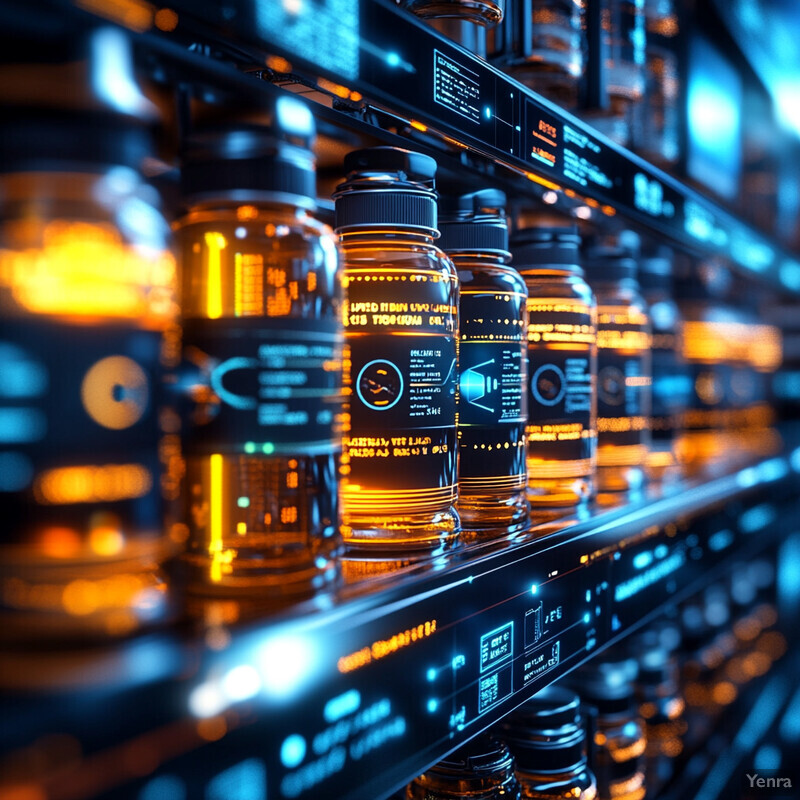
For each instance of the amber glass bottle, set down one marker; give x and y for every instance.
(401, 327)
(261, 305)
(562, 367)
(89, 447)
(624, 369)
(493, 364)
(483, 769)
(547, 736)
(620, 737)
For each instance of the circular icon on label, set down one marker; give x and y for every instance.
(611, 386)
(379, 384)
(114, 392)
(549, 385)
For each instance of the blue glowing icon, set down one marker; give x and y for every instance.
(379, 385)
(476, 385)
(549, 385)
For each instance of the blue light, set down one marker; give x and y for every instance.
(790, 724)
(21, 425)
(432, 705)
(534, 588)
(341, 706)
(757, 518)
(586, 617)
(642, 560)
(245, 781)
(165, 787)
(790, 274)
(720, 540)
(431, 675)
(293, 751)
(16, 472)
(588, 595)
(789, 576)
(661, 550)
(768, 756)
(294, 116)
(20, 376)
(393, 59)
(487, 112)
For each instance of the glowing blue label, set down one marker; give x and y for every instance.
(494, 688)
(497, 646)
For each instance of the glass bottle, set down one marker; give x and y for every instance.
(655, 119)
(262, 327)
(89, 446)
(562, 367)
(547, 736)
(548, 54)
(620, 737)
(492, 401)
(401, 325)
(671, 382)
(624, 369)
(624, 38)
(463, 21)
(483, 769)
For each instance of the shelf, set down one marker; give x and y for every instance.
(399, 69)
(352, 699)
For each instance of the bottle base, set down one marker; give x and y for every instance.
(621, 479)
(426, 532)
(484, 517)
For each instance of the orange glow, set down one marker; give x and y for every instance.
(216, 243)
(419, 126)
(92, 484)
(106, 538)
(86, 271)
(542, 182)
(212, 729)
(59, 542)
(245, 213)
(115, 392)
(384, 647)
(135, 15)
(724, 693)
(334, 88)
(166, 20)
(717, 342)
(279, 64)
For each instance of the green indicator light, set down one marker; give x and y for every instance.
(243, 502)
(249, 447)
(267, 448)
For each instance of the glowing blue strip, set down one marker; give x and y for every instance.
(640, 582)
(342, 705)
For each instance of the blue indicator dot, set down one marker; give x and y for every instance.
(431, 674)
(488, 112)
(534, 588)
(588, 595)
(586, 617)
(293, 751)
(432, 705)
(243, 502)
(393, 60)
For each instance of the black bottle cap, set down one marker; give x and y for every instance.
(483, 755)
(546, 733)
(387, 186)
(547, 246)
(607, 685)
(609, 263)
(240, 154)
(474, 223)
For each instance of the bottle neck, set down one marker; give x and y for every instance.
(391, 235)
(488, 260)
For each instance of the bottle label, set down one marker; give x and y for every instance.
(402, 381)
(624, 377)
(275, 385)
(561, 335)
(79, 426)
(492, 401)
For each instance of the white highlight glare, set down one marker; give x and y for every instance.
(583, 212)
(534, 588)
(241, 683)
(294, 116)
(285, 663)
(112, 76)
(207, 700)
(550, 197)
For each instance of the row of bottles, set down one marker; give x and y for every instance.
(427, 387)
